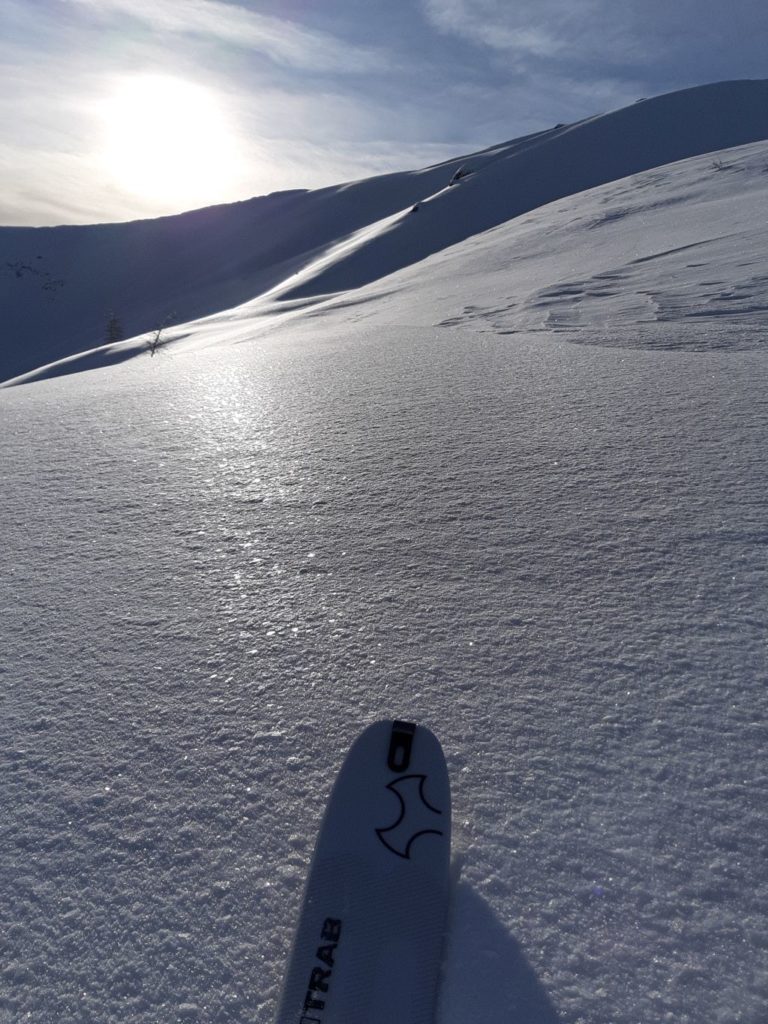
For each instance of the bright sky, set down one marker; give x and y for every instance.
(117, 109)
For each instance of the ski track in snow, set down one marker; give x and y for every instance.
(516, 492)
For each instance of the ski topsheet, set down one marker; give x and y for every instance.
(370, 935)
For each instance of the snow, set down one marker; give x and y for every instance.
(515, 491)
(59, 287)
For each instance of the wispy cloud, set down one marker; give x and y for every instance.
(49, 186)
(338, 89)
(496, 25)
(695, 40)
(283, 41)
(52, 139)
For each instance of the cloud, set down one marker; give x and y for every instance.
(494, 25)
(52, 138)
(43, 186)
(283, 41)
(309, 105)
(686, 41)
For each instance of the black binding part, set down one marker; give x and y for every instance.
(400, 744)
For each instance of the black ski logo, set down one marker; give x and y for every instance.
(320, 978)
(417, 816)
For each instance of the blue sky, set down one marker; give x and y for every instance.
(115, 109)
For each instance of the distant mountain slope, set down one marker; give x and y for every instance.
(674, 258)
(647, 134)
(58, 286)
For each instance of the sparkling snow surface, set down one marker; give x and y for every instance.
(517, 492)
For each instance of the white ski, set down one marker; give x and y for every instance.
(370, 935)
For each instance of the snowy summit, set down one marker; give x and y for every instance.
(480, 446)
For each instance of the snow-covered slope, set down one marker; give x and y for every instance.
(59, 286)
(517, 491)
(675, 258)
(684, 245)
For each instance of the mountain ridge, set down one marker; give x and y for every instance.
(60, 285)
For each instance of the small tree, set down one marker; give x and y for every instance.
(153, 343)
(114, 329)
(155, 340)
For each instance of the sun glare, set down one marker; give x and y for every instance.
(169, 142)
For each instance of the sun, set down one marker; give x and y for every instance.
(169, 142)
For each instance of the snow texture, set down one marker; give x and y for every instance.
(516, 491)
